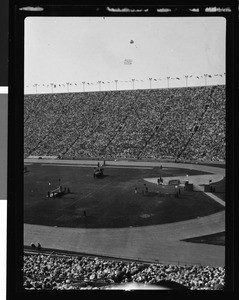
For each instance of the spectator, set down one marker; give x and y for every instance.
(75, 272)
(115, 125)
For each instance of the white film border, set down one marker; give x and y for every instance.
(3, 190)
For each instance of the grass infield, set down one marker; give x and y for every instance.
(110, 201)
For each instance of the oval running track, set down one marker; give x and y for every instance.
(155, 244)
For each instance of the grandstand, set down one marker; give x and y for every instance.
(61, 271)
(177, 123)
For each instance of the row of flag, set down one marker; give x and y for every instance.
(125, 81)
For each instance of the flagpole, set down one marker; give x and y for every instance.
(186, 76)
(52, 88)
(36, 86)
(133, 83)
(116, 81)
(67, 86)
(83, 85)
(150, 81)
(205, 75)
(168, 80)
(99, 85)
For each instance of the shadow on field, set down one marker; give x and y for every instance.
(212, 239)
(102, 177)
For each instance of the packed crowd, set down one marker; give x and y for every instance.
(53, 272)
(178, 123)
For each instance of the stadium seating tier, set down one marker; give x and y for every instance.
(178, 123)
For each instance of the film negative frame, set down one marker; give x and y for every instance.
(19, 10)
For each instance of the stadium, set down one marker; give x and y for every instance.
(157, 210)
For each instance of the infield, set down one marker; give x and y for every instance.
(110, 202)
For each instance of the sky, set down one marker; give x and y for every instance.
(63, 52)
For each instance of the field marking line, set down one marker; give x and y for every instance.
(91, 166)
(214, 197)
